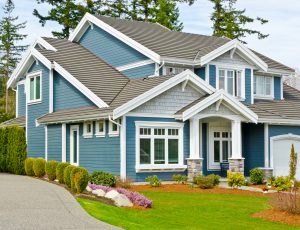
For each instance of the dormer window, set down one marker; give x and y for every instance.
(231, 81)
(263, 86)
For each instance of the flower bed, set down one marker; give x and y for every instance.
(102, 187)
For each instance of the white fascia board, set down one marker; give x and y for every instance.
(168, 84)
(109, 29)
(41, 58)
(82, 88)
(135, 65)
(270, 121)
(43, 43)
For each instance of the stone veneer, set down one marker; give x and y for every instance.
(237, 165)
(194, 168)
(268, 172)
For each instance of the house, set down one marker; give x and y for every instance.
(136, 99)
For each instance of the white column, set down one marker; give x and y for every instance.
(236, 140)
(194, 139)
(123, 149)
(64, 143)
(46, 142)
(266, 149)
(51, 91)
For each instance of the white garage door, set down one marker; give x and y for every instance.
(281, 154)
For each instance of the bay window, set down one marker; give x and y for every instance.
(231, 81)
(263, 86)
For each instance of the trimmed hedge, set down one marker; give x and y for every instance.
(103, 178)
(67, 175)
(60, 171)
(50, 169)
(80, 179)
(39, 167)
(29, 166)
(3, 143)
(72, 175)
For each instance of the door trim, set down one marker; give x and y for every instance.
(74, 128)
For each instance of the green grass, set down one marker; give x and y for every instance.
(172, 210)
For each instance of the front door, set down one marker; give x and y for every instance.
(74, 144)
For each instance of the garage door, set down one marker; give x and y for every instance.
(281, 154)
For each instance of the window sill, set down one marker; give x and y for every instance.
(161, 168)
(34, 102)
(100, 135)
(264, 97)
(113, 134)
(87, 135)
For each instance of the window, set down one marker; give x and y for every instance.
(35, 90)
(88, 129)
(159, 146)
(114, 128)
(231, 81)
(173, 70)
(100, 128)
(263, 86)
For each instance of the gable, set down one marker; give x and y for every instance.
(234, 60)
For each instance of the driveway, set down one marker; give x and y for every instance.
(28, 203)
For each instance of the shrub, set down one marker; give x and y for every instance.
(50, 169)
(80, 179)
(287, 201)
(29, 166)
(215, 178)
(39, 167)
(153, 181)
(282, 183)
(293, 163)
(204, 182)
(180, 179)
(67, 175)
(124, 183)
(256, 176)
(136, 198)
(235, 179)
(60, 171)
(3, 149)
(103, 178)
(72, 175)
(297, 184)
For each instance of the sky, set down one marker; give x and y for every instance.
(283, 44)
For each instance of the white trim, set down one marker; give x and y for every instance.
(82, 88)
(194, 139)
(133, 114)
(279, 121)
(200, 139)
(262, 96)
(100, 134)
(123, 149)
(281, 88)
(64, 142)
(44, 43)
(51, 90)
(207, 73)
(135, 65)
(83, 25)
(266, 147)
(17, 101)
(46, 142)
(252, 86)
(85, 133)
(112, 133)
(236, 132)
(168, 84)
(22, 82)
(161, 168)
(74, 128)
(28, 77)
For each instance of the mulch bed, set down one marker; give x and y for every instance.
(279, 216)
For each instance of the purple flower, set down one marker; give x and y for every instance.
(136, 198)
(96, 186)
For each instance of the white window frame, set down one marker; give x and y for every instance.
(100, 134)
(160, 167)
(72, 128)
(112, 133)
(263, 96)
(28, 77)
(87, 134)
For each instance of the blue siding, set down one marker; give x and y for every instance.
(200, 72)
(277, 88)
(212, 75)
(54, 142)
(66, 96)
(130, 148)
(142, 71)
(253, 146)
(109, 48)
(248, 86)
(21, 100)
(36, 135)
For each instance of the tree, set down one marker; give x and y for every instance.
(231, 23)
(10, 48)
(293, 163)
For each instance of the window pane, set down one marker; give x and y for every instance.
(221, 79)
(114, 127)
(101, 126)
(225, 150)
(38, 88)
(145, 151)
(31, 89)
(159, 151)
(239, 83)
(88, 128)
(216, 151)
(173, 151)
(268, 81)
(75, 146)
(230, 82)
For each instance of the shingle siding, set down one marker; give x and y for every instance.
(277, 88)
(142, 71)
(109, 48)
(248, 86)
(21, 100)
(54, 142)
(212, 75)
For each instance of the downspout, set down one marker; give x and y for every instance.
(111, 120)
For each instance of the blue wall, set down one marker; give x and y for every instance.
(131, 151)
(142, 71)
(21, 100)
(200, 72)
(66, 96)
(54, 142)
(109, 48)
(277, 88)
(248, 86)
(36, 135)
(212, 75)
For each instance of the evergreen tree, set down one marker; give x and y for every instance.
(10, 49)
(230, 22)
(293, 163)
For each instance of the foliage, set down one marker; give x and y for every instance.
(3, 149)
(288, 202)
(256, 176)
(50, 169)
(124, 183)
(29, 166)
(293, 163)
(80, 179)
(297, 184)
(180, 179)
(235, 179)
(136, 198)
(215, 178)
(102, 187)
(67, 175)
(282, 183)
(154, 181)
(5, 117)
(60, 171)
(103, 178)
(204, 182)
(39, 167)
(231, 23)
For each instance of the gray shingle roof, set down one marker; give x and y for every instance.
(19, 121)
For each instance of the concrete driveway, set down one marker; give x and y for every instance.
(28, 203)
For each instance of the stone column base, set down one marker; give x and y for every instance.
(194, 168)
(237, 165)
(268, 172)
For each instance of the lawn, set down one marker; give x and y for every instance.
(177, 210)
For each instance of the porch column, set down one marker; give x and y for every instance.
(194, 162)
(236, 162)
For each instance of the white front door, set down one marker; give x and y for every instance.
(74, 144)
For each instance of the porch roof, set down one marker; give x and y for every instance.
(19, 121)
